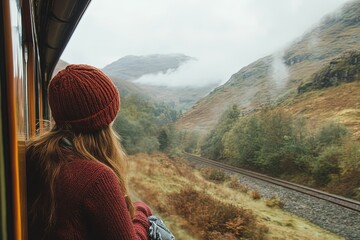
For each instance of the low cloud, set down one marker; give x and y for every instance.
(196, 73)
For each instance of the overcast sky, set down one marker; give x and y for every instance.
(224, 35)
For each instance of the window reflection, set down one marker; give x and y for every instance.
(19, 70)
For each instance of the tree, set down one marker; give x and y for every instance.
(325, 164)
(163, 140)
(213, 146)
(242, 142)
(140, 124)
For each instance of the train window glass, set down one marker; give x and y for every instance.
(18, 68)
(17, 88)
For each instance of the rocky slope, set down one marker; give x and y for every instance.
(342, 69)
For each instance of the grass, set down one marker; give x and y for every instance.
(341, 104)
(158, 180)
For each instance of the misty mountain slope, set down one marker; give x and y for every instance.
(130, 68)
(133, 67)
(275, 78)
(128, 88)
(181, 98)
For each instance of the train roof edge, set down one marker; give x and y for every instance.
(55, 22)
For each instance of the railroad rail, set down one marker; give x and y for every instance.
(335, 199)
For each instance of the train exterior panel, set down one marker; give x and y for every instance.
(34, 34)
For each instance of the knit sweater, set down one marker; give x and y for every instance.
(90, 205)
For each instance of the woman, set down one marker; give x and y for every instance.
(76, 171)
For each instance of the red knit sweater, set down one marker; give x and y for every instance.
(90, 205)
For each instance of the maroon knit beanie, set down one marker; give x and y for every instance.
(83, 97)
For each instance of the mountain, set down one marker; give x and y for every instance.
(133, 67)
(128, 88)
(282, 78)
(129, 68)
(181, 98)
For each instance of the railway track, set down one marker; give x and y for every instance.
(335, 199)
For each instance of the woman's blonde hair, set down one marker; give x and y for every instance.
(46, 156)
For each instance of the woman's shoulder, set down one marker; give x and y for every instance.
(85, 167)
(81, 172)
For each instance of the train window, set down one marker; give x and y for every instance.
(14, 120)
(19, 74)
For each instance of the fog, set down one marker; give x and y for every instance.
(279, 71)
(196, 73)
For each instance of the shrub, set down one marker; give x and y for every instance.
(274, 201)
(331, 133)
(348, 185)
(326, 163)
(214, 219)
(255, 195)
(213, 174)
(351, 156)
(163, 139)
(175, 152)
(234, 183)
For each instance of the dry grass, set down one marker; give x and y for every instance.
(157, 180)
(341, 104)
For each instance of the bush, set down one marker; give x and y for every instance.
(213, 174)
(234, 183)
(255, 195)
(271, 141)
(214, 219)
(325, 164)
(175, 153)
(351, 156)
(274, 202)
(331, 133)
(348, 185)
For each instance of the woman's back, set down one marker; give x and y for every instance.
(77, 171)
(90, 205)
